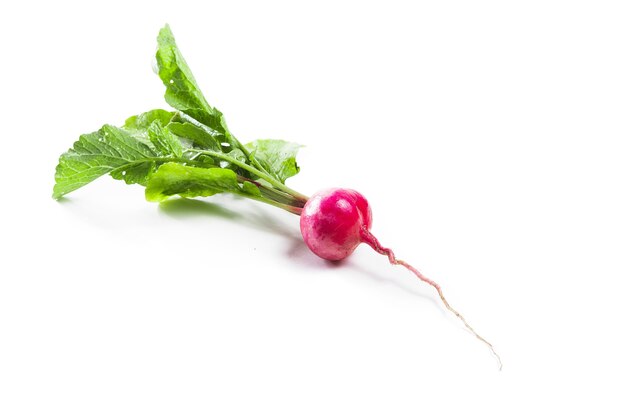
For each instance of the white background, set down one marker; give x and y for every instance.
(488, 137)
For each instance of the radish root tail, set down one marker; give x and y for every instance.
(371, 240)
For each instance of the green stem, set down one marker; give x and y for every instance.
(287, 207)
(250, 157)
(232, 140)
(257, 169)
(273, 194)
(275, 183)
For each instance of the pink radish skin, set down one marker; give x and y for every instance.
(331, 222)
(335, 221)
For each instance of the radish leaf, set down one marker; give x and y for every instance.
(113, 150)
(164, 141)
(188, 152)
(138, 125)
(185, 181)
(182, 91)
(278, 157)
(202, 138)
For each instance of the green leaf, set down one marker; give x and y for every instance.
(201, 137)
(278, 157)
(185, 181)
(251, 189)
(203, 161)
(139, 124)
(178, 152)
(182, 91)
(238, 155)
(164, 141)
(99, 153)
(136, 173)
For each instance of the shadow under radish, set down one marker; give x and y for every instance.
(257, 218)
(187, 207)
(251, 216)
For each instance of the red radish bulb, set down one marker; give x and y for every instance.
(332, 220)
(335, 221)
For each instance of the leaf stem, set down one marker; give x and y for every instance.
(287, 207)
(273, 194)
(275, 183)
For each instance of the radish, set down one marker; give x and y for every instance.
(336, 220)
(333, 221)
(190, 152)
